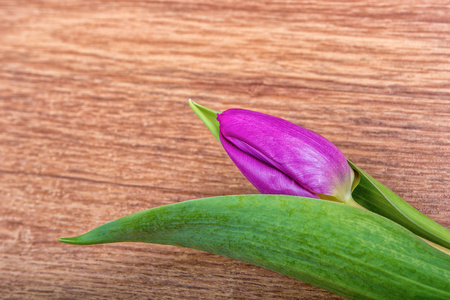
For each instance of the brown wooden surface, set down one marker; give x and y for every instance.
(95, 124)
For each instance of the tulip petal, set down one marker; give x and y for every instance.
(305, 156)
(265, 178)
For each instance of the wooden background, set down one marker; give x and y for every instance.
(95, 124)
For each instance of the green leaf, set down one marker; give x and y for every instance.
(346, 250)
(377, 198)
(372, 195)
(208, 117)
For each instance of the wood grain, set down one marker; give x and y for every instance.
(95, 124)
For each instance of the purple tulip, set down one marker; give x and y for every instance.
(279, 157)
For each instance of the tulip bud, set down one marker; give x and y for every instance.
(279, 157)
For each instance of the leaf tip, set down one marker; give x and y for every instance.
(71, 240)
(78, 240)
(208, 117)
(192, 104)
